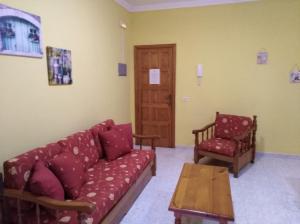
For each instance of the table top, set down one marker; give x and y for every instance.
(203, 191)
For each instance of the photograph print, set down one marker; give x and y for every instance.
(20, 33)
(59, 66)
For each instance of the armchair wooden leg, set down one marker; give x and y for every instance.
(253, 156)
(236, 166)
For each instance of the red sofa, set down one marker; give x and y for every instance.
(110, 186)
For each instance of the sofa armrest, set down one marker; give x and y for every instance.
(151, 137)
(79, 206)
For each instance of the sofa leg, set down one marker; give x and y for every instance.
(196, 156)
(153, 168)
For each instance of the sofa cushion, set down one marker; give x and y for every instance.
(82, 145)
(115, 144)
(44, 183)
(97, 130)
(107, 182)
(125, 129)
(70, 172)
(109, 123)
(17, 170)
(219, 145)
(228, 126)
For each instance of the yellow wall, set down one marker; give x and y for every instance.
(33, 113)
(225, 39)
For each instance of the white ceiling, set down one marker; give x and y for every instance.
(147, 5)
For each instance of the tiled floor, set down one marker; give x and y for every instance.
(267, 192)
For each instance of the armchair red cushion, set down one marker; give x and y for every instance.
(115, 144)
(221, 146)
(44, 183)
(228, 126)
(70, 171)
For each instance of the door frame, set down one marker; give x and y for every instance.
(138, 98)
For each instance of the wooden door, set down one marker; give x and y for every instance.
(155, 103)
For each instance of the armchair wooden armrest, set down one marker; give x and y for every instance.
(79, 206)
(203, 129)
(151, 137)
(208, 129)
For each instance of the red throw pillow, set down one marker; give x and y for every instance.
(125, 129)
(115, 144)
(70, 171)
(96, 130)
(44, 183)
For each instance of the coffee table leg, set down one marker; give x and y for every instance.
(177, 219)
(223, 221)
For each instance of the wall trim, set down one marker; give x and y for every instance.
(125, 5)
(260, 153)
(175, 5)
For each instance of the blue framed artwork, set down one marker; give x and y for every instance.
(59, 66)
(20, 33)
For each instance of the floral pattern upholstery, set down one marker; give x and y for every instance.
(228, 126)
(106, 183)
(70, 172)
(115, 144)
(17, 170)
(83, 146)
(219, 145)
(97, 130)
(125, 129)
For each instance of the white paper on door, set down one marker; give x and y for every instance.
(154, 76)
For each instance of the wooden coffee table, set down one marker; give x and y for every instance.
(203, 192)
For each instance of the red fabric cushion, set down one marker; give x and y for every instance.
(228, 126)
(17, 170)
(115, 144)
(70, 172)
(83, 146)
(126, 130)
(96, 131)
(44, 183)
(218, 145)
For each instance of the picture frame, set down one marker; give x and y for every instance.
(59, 66)
(20, 33)
(295, 76)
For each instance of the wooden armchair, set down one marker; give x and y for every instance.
(230, 138)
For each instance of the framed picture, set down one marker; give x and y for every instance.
(20, 33)
(59, 66)
(262, 57)
(295, 76)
